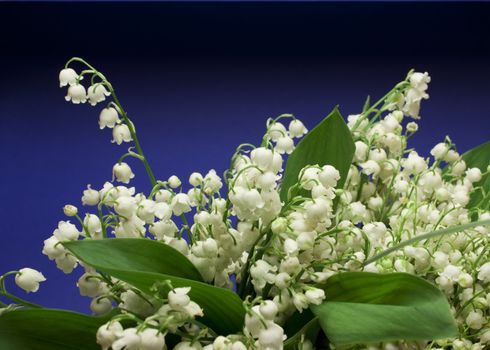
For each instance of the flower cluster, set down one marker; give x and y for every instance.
(275, 251)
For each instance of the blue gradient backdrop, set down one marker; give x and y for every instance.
(200, 78)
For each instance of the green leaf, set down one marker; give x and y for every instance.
(330, 142)
(363, 307)
(223, 309)
(48, 329)
(479, 157)
(308, 329)
(134, 254)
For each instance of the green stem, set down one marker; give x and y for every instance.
(135, 138)
(124, 115)
(429, 235)
(19, 300)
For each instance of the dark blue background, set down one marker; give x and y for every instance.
(201, 78)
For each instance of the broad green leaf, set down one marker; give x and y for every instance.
(134, 254)
(363, 307)
(309, 329)
(223, 309)
(330, 142)
(479, 157)
(48, 329)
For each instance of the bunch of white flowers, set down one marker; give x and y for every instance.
(242, 234)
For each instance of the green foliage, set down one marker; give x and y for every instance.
(362, 307)
(330, 142)
(223, 309)
(48, 329)
(301, 326)
(479, 157)
(134, 254)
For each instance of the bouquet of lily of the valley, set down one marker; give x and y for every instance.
(346, 240)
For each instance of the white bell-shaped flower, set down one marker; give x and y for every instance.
(125, 206)
(329, 176)
(68, 76)
(178, 298)
(484, 272)
(108, 117)
(315, 295)
(52, 248)
(28, 279)
(93, 225)
(297, 128)
(66, 231)
(268, 310)
(195, 179)
(180, 204)
(97, 93)
(66, 263)
(284, 145)
(122, 172)
(129, 339)
(121, 134)
(89, 285)
(276, 131)
(108, 333)
(90, 196)
(187, 345)
(76, 94)
(262, 157)
(152, 339)
(272, 337)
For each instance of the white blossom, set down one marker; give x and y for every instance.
(108, 118)
(28, 279)
(97, 93)
(76, 94)
(120, 134)
(122, 172)
(68, 76)
(90, 196)
(296, 128)
(108, 333)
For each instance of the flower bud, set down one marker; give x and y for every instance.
(174, 181)
(412, 127)
(279, 225)
(70, 210)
